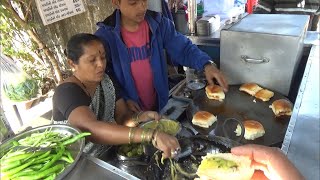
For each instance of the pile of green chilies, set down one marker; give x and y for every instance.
(39, 156)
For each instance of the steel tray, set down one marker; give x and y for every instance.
(75, 148)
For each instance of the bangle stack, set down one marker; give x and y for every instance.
(132, 131)
(146, 135)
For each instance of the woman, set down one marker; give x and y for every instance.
(89, 100)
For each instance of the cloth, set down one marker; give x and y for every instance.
(69, 96)
(138, 45)
(163, 36)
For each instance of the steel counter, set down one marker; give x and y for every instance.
(302, 140)
(93, 168)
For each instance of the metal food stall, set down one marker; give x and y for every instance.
(299, 138)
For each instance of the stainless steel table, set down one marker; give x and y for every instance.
(302, 140)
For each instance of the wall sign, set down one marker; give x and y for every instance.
(55, 10)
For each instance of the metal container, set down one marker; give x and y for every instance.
(207, 25)
(263, 48)
(75, 148)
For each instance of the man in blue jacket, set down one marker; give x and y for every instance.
(135, 38)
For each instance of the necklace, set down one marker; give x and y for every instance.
(84, 86)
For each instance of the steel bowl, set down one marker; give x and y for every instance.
(75, 148)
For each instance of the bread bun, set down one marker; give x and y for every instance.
(250, 88)
(215, 92)
(253, 130)
(222, 166)
(264, 94)
(282, 107)
(203, 119)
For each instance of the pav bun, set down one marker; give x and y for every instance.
(282, 107)
(250, 88)
(215, 92)
(264, 94)
(222, 166)
(203, 119)
(253, 130)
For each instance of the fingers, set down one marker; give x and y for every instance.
(258, 153)
(259, 175)
(169, 145)
(213, 72)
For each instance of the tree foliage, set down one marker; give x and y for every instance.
(20, 40)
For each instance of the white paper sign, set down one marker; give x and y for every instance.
(55, 10)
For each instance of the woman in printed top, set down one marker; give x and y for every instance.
(90, 101)
(135, 39)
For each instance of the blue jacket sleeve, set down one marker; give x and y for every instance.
(181, 50)
(109, 69)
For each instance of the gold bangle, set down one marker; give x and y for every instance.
(143, 135)
(151, 132)
(130, 134)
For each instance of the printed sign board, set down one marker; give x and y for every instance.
(55, 10)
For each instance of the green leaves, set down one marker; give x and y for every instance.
(22, 91)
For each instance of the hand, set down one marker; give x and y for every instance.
(148, 115)
(212, 72)
(169, 145)
(133, 106)
(271, 161)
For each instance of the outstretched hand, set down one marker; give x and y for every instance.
(211, 72)
(270, 162)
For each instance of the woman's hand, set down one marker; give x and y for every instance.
(271, 161)
(169, 145)
(148, 115)
(133, 106)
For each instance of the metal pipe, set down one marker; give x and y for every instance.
(192, 16)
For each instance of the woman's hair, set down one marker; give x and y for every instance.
(76, 43)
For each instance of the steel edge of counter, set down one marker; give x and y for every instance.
(301, 143)
(297, 105)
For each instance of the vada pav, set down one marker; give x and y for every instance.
(223, 166)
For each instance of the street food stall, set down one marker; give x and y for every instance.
(289, 132)
(283, 59)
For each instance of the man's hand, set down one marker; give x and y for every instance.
(269, 162)
(133, 106)
(212, 72)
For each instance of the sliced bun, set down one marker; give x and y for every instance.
(282, 107)
(215, 92)
(264, 94)
(250, 88)
(203, 119)
(253, 130)
(239, 167)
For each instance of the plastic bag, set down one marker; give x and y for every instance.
(16, 85)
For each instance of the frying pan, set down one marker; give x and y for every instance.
(241, 106)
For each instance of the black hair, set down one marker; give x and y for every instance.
(75, 45)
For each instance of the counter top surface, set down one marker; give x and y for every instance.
(302, 140)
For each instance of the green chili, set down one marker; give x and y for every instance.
(54, 159)
(43, 173)
(7, 166)
(75, 138)
(17, 169)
